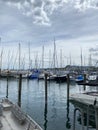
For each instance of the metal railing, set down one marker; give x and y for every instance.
(88, 112)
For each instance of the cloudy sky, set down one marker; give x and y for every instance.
(73, 23)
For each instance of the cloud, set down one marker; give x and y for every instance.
(41, 10)
(85, 4)
(34, 9)
(94, 50)
(59, 17)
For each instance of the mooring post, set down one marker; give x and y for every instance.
(7, 86)
(45, 111)
(19, 90)
(96, 117)
(45, 88)
(82, 119)
(87, 117)
(84, 81)
(68, 82)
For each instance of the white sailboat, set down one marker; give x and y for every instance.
(13, 118)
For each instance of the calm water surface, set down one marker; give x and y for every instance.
(56, 114)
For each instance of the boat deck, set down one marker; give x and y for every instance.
(8, 120)
(10, 123)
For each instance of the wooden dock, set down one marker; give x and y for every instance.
(86, 103)
(86, 98)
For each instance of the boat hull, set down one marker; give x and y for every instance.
(12, 117)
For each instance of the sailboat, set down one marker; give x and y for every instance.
(13, 118)
(80, 78)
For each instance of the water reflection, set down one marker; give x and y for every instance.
(45, 117)
(68, 123)
(7, 87)
(53, 115)
(19, 90)
(46, 103)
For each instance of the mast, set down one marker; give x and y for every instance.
(1, 60)
(0, 57)
(36, 60)
(49, 58)
(8, 59)
(54, 55)
(84, 60)
(11, 58)
(42, 57)
(55, 60)
(70, 58)
(60, 58)
(23, 62)
(29, 57)
(81, 60)
(19, 55)
(90, 60)
(14, 63)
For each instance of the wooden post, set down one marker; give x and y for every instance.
(68, 81)
(96, 117)
(84, 81)
(19, 90)
(45, 111)
(45, 88)
(7, 87)
(87, 117)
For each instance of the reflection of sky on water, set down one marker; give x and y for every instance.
(57, 114)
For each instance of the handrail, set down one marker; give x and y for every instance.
(81, 117)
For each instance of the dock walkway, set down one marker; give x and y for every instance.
(86, 103)
(85, 98)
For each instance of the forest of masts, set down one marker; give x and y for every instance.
(18, 59)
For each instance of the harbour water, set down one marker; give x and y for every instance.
(57, 114)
